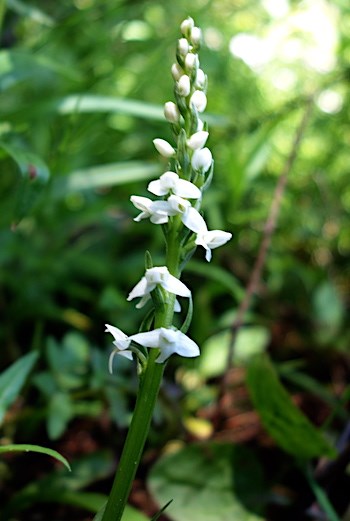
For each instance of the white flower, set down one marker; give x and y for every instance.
(198, 140)
(170, 182)
(171, 112)
(196, 35)
(208, 239)
(202, 159)
(164, 148)
(177, 204)
(176, 71)
(169, 341)
(187, 25)
(121, 342)
(157, 276)
(184, 85)
(191, 61)
(200, 79)
(199, 100)
(156, 211)
(183, 46)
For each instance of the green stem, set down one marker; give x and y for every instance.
(145, 403)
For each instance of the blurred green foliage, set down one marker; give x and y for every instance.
(82, 86)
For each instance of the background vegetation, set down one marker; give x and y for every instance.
(82, 86)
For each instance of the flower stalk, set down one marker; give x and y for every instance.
(179, 191)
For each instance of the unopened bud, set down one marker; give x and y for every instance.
(198, 140)
(202, 159)
(200, 79)
(164, 148)
(171, 112)
(187, 26)
(176, 71)
(191, 61)
(184, 85)
(199, 100)
(196, 36)
(183, 46)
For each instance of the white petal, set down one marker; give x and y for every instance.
(126, 354)
(200, 79)
(143, 301)
(187, 189)
(177, 307)
(174, 285)
(147, 339)
(216, 238)
(163, 147)
(141, 203)
(194, 221)
(178, 205)
(183, 46)
(191, 61)
(117, 333)
(198, 140)
(171, 112)
(176, 71)
(141, 288)
(165, 184)
(187, 25)
(196, 35)
(171, 341)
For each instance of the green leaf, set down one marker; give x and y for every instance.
(209, 482)
(35, 448)
(249, 342)
(329, 311)
(13, 379)
(287, 425)
(106, 175)
(60, 412)
(130, 514)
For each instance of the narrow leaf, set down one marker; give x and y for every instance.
(35, 448)
(287, 425)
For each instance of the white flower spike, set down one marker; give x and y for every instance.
(157, 276)
(170, 182)
(121, 342)
(169, 341)
(164, 148)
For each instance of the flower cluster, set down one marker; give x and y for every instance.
(177, 207)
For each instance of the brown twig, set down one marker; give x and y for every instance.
(269, 228)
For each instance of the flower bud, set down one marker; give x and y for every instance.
(199, 100)
(183, 46)
(176, 71)
(184, 85)
(187, 26)
(196, 36)
(202, 159)
(200, 78)
(171, 112)
(164, 148)
(191, 61)
(198, 140)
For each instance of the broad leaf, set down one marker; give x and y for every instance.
(209, 482)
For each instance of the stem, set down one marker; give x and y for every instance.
(145, 403)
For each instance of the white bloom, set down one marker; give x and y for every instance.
(164, 148)
(187, 25)
(170, 182)
(212, 239)
(121, 342)
(184, 85)
(178, 205)
(198, 140)
(169, 341)
(157, 211)
(191, 61)
(196, 35)
(202, 159)
(199, 100)
(157, 276)
(200, 79)
(208, 239)
(171, 112)
(183, 46)
(176, 71)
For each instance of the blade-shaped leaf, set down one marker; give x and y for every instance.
(35, 448)
(287, 425)
(13, 379)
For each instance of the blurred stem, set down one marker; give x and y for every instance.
(150, 383)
